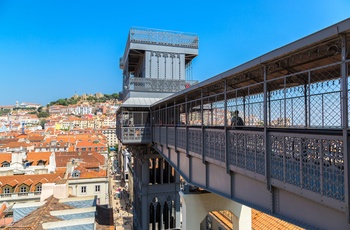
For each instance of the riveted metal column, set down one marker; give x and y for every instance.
(345, 116)
(160, 123)
(186, 126)
(161, 167)
(308, 108)
(225, 128)
(211, 114)
(244, 108)
(175, 131)
(202, 126)
(266, 135)
(166, 122)
(307, 103)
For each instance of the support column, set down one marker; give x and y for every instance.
(177, 201)
(161, 164)
(345, 126)
(195, 208)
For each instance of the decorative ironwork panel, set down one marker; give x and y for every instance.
(195, 140)
(277, 153)
(246, 150)
(171, 136)
(260, 154)
(232, 147)
(214, 143)
(241, 149)
(250, 144)
(163, 135)
(311, 174)
(156, 134)
(136, 134)
(333, 169)
(300, 160)
(292, 153)
(158, 85)
(181, 138)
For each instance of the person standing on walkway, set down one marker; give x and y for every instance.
(236, 120)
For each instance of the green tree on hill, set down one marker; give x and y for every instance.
(91, 99)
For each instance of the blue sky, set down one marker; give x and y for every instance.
(52, 49)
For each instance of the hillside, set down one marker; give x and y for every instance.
(78, 99)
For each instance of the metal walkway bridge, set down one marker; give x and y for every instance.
(291, 157)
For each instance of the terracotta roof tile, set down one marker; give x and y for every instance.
(262, 221)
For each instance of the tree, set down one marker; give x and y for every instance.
(43, 114)
(42, 123)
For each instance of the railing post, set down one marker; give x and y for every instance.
(187, 154)
(166, 127)
(225, 129)
(202, 126)
(266, 136)
(344, 90)
(150, 125)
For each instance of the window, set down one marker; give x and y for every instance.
(97, 188)
(5, 164)
(7, 190)
(38, 188)
(76, 173)
(23, 189)
(208, 223)
(83, 189)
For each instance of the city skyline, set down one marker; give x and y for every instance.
(54, 50)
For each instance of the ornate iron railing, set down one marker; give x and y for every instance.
(158, 85)
(137, 134)
(310, 162)
(163, 37)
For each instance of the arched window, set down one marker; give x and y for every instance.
(5, 164)
(38, 188)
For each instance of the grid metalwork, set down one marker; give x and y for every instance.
(306, 99)
(163, 37)
(325, 97)
(249, 101)
(214, 110)
(195, 114)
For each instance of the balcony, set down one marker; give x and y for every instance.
(156, 85)
(129, 135)
(133, 127)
